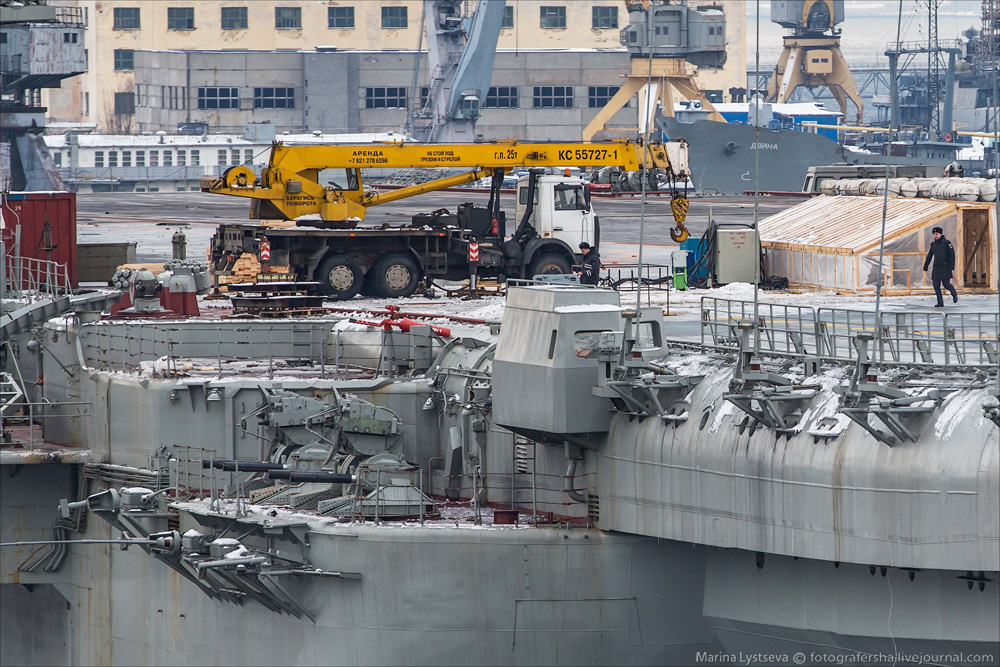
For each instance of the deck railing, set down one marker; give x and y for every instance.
(912, 338)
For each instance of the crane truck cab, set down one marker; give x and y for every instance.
(558, 209)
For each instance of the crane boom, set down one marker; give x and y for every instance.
(290, 182)
(460, 61)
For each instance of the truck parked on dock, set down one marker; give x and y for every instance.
(331, 245)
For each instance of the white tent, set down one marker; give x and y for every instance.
(832, 242)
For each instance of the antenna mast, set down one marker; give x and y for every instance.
(934, 69)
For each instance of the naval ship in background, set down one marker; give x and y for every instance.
(727, 152)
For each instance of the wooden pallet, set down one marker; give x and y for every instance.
(483, 288)
(292, 312)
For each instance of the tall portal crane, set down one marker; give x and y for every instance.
(812, 56)
(460, 55)
(663, 39)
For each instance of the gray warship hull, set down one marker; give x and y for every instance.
(665, 523)
(726, 153)
(502, 597)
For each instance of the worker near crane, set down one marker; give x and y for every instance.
(943, 254)
(590, 269)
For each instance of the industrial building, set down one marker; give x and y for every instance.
(117, 31)
(537, 94)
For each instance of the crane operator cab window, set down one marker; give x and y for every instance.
(570, 198)
(340, 179)
(522, 196)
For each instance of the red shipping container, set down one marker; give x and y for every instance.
(31, 210)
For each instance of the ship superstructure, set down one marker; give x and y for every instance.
(582, 483)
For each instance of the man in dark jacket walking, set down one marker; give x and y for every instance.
(943, 254)
(590, 269)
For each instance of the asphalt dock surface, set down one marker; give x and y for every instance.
(151, 218)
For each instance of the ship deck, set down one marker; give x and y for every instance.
(27, 446)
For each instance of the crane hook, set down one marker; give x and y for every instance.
(679, 207)
(679, 233)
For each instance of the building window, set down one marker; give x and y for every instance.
(181, 158)
(508, 17)
(425, 92)
(71, 38)
(288, 18)
(98, 158)
(126, 18)
(553, 17)
(195, 157)
(553, 97)
(248, 156)
(124, 104)
(180, 18)
(234, 18)
(154, 158)
(273, 98)
(3, 38)
(168, 158)
(340, 17)
(234, 156)
(140, 158)
(126, 158)
(58, 159)
(218, 98)
(604, 18)
(501, 97)
(385, 98)
(394, 17)
(124, 60)
(222, 157)
(599, 96)
(112, 158)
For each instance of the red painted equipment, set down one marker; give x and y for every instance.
(404, 325)
(32, 211)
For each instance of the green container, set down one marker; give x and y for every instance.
(680, 279)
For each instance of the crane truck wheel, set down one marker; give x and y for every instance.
(549, 263)
(340, 277)
(394, 276)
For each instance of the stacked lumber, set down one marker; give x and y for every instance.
(247, 270)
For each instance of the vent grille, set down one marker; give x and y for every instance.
(522, 454)
(594, 508)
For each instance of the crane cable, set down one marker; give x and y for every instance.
(758, 108)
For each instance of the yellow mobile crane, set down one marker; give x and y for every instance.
(330, 244)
